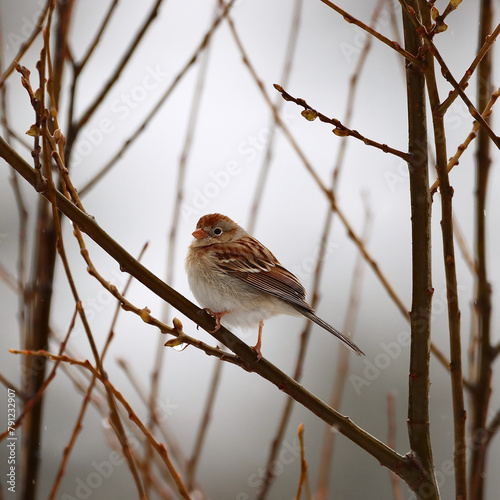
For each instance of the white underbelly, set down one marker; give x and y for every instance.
(245, 305)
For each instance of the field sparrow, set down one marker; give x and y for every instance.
(239, 281)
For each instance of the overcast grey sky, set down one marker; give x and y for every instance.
(135, 201)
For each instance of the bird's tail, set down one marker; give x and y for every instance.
(310, 315)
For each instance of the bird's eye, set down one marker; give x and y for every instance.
(217, 231)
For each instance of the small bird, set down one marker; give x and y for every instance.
(239, 281)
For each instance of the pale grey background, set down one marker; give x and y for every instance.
(134, 204)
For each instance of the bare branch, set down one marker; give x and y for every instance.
(340, 129)
(420, 316)
(117, 72)
(27, 44)
(403, 466)
(138, 131)
(352, 20)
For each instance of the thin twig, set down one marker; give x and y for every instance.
(10, 385)
(27, 44)
(268, 153)
(304, 477)
(172, 240)
(440, 26)
(99, 404)
(10, 280)
(342, 364)
(61, 38)
(74, 128)
(488, 43)
(20, 281)
(148, 119)
(159, 447)
(167, 433)
(352, 20)
(394, 23)
(97, 37)
(391, 441)
(453, 161)
(203, 428)
(77, 67)
(340, 130)
(493, 426)
(14, 135)
(410, 12)
(353, 86)
(464, 247)
(78, 425)
(32, 400)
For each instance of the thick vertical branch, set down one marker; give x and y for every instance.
(420, 316)
(482, 387)
(64, 12)
(40, 289)
(39, 301)
(446, 192)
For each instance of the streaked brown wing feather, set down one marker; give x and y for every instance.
(251, 262)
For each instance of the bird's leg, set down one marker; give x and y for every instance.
(217, 316)
(257, 346)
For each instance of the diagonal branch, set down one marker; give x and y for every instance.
(269, 152)
(118, 70)
(166, 94)
(488, 42)
(340, 129)
(27, 44)
(410, 13)
(159, 447)
(405, 467)
(453, 161)
(352, 20)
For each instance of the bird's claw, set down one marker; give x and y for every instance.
(217, 316)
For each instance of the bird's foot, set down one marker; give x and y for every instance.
(217, 316)
(256, 348)
(258, 345)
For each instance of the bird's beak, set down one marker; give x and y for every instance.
(199, 234)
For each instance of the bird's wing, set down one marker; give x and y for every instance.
(254, 264)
